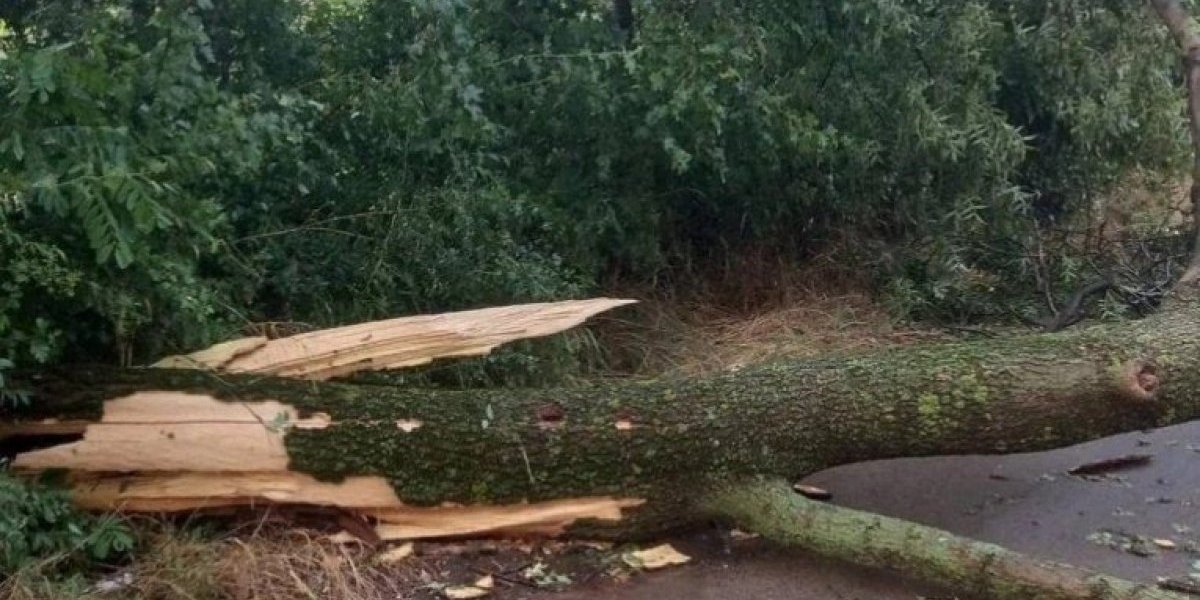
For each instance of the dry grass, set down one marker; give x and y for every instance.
(758, 310)
(179, 564)
(281, 562)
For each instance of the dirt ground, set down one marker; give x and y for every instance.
(1025, 502)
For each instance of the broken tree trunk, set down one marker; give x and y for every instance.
(640, 455)
(627, 459)
(630, 459)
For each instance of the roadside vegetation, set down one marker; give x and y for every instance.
(771, 178)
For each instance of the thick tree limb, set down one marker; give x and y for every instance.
(976, 569)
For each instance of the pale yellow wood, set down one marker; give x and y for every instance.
(176, 431)
(412, 341)
(213, 357)
(186, 491)
(369, 496)
(548, 518)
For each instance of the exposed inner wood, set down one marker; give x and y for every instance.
(548, 518)
(393, 343)
(172, 492)
(213, 357)
(177, 431)
(368, 496)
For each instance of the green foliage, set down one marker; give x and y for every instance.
(109, 139)
(170, 171)
(39, 524)
(910, 125)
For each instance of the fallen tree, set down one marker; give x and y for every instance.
(633, 459)
(659, 444)
(624, 459)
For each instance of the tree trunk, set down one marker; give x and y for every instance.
(669, 442)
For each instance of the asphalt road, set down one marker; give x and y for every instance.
(1025, 502)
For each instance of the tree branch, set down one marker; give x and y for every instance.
(1074, 310)
(974, 569)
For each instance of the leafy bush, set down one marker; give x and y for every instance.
(39, 524)
(173, 171)
(108, 140)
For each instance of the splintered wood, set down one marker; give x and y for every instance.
(176, 431)
(393, 343)
(165, 451)
(176, 452)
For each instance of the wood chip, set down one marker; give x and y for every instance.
(1165, 544)
(658, 557)
(738, 535)
(1112, 464)
(482, 587)
(812, 492)
(396, 554)
(344, 538)
(464, 592)
(408, 425)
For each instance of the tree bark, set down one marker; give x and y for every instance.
(670, 442)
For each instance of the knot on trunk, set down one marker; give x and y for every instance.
(1138, 380)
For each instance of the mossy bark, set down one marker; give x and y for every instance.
(975, 569)
(669, 441)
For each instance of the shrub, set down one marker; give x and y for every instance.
(39, 524)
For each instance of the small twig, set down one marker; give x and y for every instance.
(528, 467)
(1043, 281)
(503, 576)
(299, 229)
